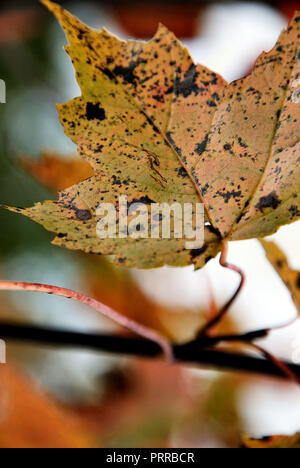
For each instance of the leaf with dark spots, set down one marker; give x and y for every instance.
(155, 126)
(128, 151)
(290, 277)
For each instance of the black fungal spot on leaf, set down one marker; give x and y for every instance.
(108, 73)
(298, 281)
(200, 147)
(94, 111)
(188, 85)
(197, 252)
(235, 194)
(182, 172)
(144, 199)
(177, 149)
(279, 264)
(214, 230)
(269, 201)
(127, 73)
(211, 103)
(156, 130)
(294, 210)
(83, 215)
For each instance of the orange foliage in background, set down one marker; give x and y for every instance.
(141, 19)
(30, 419)
(17, 25)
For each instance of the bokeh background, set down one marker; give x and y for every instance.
(50, 397)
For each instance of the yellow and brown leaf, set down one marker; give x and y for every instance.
(290, 277)
(158, 128)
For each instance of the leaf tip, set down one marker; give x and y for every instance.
(49, 4)
(296, 18)
(162, 30)
(13, 209)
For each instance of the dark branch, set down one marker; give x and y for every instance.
(192, 353)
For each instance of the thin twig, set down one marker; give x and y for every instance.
(247, 339)
(191, 353)
(125, 322)
(223, 261)
(278, 363)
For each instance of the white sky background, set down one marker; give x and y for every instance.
(232, 36)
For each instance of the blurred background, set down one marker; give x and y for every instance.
(50, 397)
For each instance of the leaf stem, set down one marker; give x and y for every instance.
(278, 363)
(224, 263)
(116, 317)
(247, 338)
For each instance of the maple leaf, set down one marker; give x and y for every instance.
(290, 277)
(158, 128)
(283, 441)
